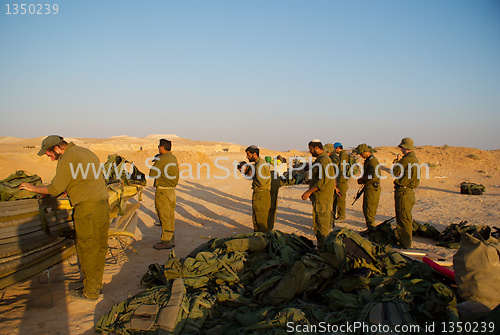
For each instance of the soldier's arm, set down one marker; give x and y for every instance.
(33, 188)
(308, 193)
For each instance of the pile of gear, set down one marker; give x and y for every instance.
(264, 283)
(384, 233)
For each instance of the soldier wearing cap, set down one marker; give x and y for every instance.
(406, 170)
(371, 180)
(330, 151)
(165, 172)
(89, 198)
(339, 199)
(321, 188)
(261, 185)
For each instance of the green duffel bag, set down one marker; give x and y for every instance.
(472, 188)
(9, 187)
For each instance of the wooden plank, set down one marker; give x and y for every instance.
(37, 267)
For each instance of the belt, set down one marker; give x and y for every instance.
(165, 187)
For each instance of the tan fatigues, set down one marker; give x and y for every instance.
(371, 195)
(323, 178)
(91, 226)
(342, 184)
(165, 194)
(404, 197)
(261, 197)
(89, 197)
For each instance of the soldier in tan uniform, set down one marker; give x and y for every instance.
(339, 199)
(371, 180)
(165, 172)
(261, 185)
(406, 168)
(275, 185)
(320, 192)
(89, 198)
(330, 151)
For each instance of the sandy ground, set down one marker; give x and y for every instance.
(210, 207)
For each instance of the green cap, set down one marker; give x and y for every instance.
(360, 149)
(328, 148)
(49, 142)
(406, 143)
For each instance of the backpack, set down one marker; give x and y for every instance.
(472, 188)
(352, 160)
(116, 164)
(9, 187)
(477, 267)
(387, 313)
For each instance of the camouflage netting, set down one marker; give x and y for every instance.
(257, 283)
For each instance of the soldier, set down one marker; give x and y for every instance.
(89, 198)
(321, 188)
(371, 180)
(339, 198)
(261, 185)
(275, 185)
(330, 151)
(165, 172)
(406, 171)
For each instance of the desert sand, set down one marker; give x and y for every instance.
(209, 207)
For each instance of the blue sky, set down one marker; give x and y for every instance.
(273, 73)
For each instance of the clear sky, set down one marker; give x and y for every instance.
(275, 73)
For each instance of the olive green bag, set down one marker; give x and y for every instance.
(9, 187)
(390, 313)
(477, 267)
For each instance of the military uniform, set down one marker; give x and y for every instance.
(89, 198)
(404, 195)
(165, 194)
(342, 184)
(322, 200)
(261, 197)
(275, 185)
(371, 195)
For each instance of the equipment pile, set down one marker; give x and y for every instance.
(263, 283)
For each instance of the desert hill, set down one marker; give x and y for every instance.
(444, 162)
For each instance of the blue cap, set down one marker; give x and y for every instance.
(336, 145)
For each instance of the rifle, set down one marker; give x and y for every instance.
(358, 195)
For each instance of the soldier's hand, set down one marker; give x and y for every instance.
(25, 186)
(337, 191)
(306, 195)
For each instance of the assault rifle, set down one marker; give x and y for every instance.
(359, 194)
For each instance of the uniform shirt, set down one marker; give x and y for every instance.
(408, 159)
(75, 174)
(262, 175)
(172, 170)
(369, 169)
(322, 177)
(343, 158)
(335, 158)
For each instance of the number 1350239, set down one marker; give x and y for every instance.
(33, 9)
